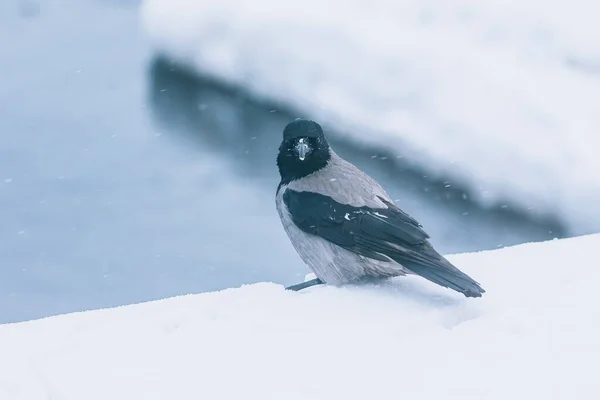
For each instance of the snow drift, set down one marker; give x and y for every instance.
(502, 95)
(534, 335)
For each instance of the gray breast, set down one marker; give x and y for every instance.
(331, 263)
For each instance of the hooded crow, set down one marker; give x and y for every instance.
(343, 224)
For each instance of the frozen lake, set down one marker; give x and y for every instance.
(124, 179)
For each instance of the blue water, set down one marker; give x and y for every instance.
(123, 181)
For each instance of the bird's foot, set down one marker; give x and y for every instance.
(304, 285)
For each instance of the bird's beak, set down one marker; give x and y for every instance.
(302, 149)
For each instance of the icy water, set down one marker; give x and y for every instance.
(124, 179)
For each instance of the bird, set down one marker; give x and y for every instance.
(344, 225)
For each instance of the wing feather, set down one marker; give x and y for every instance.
(378, 233)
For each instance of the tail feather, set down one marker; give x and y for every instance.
(449, 276)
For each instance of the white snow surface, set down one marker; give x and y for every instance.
(534, 335)
(501, 94)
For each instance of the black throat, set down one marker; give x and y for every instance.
(292, 168)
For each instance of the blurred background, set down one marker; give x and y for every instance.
(138, 139)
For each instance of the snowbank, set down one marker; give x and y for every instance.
(502, 95)
(534, 335)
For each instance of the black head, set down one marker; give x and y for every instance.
(304, 150)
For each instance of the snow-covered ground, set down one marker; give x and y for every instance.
(534, 335)
(502, 94)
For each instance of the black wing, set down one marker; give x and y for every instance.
(378, 233)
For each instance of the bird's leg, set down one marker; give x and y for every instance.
(304, 285)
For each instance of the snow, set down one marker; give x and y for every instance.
(534, 335)
(503, 95)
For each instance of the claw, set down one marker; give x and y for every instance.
(304, 285)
